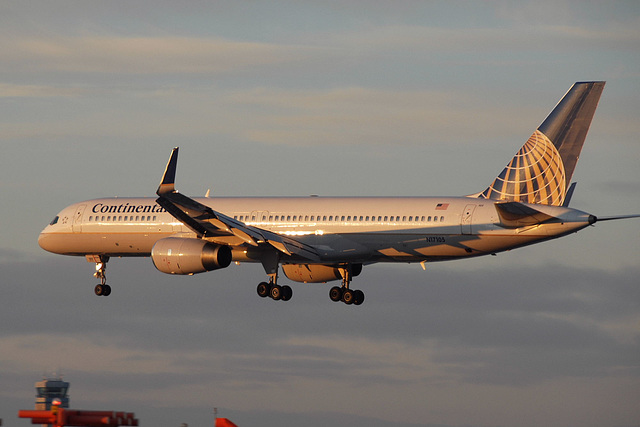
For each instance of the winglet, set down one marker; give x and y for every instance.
(167, 184)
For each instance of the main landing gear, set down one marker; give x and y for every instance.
(101, 289)
(272, 289)
(344, 294)
(275, 291)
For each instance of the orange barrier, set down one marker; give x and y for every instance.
(60, 417)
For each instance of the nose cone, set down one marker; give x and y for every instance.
(57, 243)
(45, 241)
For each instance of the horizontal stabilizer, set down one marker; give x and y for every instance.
(515, 215)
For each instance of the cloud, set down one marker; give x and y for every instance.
(165, 340)
(364, 116)
(266, 115)
(530, 37)
(36, 91)
(144, 55)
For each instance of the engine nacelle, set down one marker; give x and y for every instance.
(175, 255)
(313, 273)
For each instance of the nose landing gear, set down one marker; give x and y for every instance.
(101, 289)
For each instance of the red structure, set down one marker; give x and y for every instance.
(60, 417)
(224, 422)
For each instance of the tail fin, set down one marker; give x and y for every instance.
(541, 171)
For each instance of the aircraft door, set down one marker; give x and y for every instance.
(77, 219)
(467, 219)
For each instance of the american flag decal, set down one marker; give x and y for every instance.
(442, 206)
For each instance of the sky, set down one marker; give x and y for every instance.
(292, 98)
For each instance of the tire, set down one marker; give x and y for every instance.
(99, 290)
(276, 292)
(287, 293)
(359, 297)
(106, 290)
(348, 297)
(263, 289)
(335, 294)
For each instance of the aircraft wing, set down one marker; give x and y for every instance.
(209, 223)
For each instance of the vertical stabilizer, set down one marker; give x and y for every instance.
(541, 170)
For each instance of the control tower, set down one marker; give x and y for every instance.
(49, 389)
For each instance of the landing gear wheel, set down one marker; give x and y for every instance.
(287, 293)
(359, 297)
(276, 292)
(335, 293)
(102, 290)
(264, 289)
(348, 296)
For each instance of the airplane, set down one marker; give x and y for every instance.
(322, 239)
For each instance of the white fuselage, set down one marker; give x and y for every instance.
(360, 229)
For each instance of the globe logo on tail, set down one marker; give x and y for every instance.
(536, 174)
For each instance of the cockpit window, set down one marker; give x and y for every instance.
(54, 220)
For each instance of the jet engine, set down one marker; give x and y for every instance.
(175, 255)
(313, 273)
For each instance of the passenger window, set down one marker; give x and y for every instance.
(385, 218)
(441, 218)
